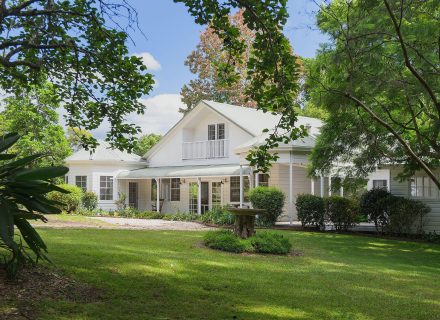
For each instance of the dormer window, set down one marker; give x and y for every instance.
(216, 131)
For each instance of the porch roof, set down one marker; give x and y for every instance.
(185, 172)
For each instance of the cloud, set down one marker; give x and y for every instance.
(149, 61)
(162, 112)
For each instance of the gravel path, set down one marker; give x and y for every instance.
(151, 224)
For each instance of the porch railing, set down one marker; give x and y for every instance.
(207, 149)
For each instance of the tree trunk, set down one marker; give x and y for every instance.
(244, 226)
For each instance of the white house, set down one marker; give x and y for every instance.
(201, 163)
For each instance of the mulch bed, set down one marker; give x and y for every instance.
(19, 298)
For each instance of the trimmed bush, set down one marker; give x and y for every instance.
(218, 216)
(402, 216)
(70, 201)
(89, 200)
(268, 242)
(224, 240)
(310, 210)
(372, 206)
(270, 199)
(342, 212)
(181, 216)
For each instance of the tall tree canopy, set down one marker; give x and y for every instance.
(76, 136)
(34, 117)
(379, 78)
(273, 71)
(80, 46)
(210, 83)
(145, 143)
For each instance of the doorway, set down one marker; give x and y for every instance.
(133, 189)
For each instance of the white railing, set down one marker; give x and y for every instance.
(207, 149)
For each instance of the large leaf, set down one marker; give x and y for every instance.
(31, 237)
(41, 173)
(18, 164)
(7, 156)
(7, 226)
(8, 140)
(33, 204)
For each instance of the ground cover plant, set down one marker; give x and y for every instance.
(168, 275)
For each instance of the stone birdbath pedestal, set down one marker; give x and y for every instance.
(244, 226)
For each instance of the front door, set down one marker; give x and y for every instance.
(205, 197)
(133, 195)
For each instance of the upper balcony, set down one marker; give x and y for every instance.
(206, 149)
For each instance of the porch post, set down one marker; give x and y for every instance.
(241, 187)
(312, 186)
(329, 185)
(322, 185)
(290, 191)
(342, 188)
(257, 178)
(199, 196)
(157, 195)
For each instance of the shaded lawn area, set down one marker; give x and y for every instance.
(168, 275)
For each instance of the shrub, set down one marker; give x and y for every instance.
(150, 215)
(373, 208)
(342, 212)
(402, 215)
(89, 200)
(70, 201)
(120, 202)
(432, 237)
(310, 210)
(270, 199)
(224, 240)
(268, 242)
(219, 216)
(180, 217)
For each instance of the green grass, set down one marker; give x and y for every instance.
(167, 275)
(56, 218)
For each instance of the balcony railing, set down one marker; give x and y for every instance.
(207, 149)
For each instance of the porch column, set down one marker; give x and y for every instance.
(312, 186)
(342, 188)
(322, 185)
(290, 192)
(241, 187)
(157, 194)
(257, 178)
(199, 196)
(329, 185)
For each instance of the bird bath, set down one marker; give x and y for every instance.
(244, 226)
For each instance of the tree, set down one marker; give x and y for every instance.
(145, 143)
(80, 46)
(76, 136)
(33, 115)
(273, 72)
(379, 79)
(210, 83)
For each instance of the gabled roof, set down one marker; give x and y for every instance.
(103, 152)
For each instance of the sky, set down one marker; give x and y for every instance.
(170, 34)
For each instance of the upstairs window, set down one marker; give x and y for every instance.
(216, 131)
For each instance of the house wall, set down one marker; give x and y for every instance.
(379, 174)
(402, 188)
(195, 128)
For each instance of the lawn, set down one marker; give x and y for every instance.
(168, 275)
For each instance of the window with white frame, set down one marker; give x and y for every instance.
(81, 182)
(216, 194)
(175, 189)
(235, 189)
(380, 184)
(66, 179)
(193, 197)
(106, 188)
(216, 131)
(423, 187)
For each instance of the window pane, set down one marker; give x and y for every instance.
(106, 188)
(175, 189)
(419, 186)
(221, 131)
(235, 189)
(211, 132)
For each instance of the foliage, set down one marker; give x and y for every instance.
(89, 200)
(342, 212)
(218, 216)
(203, 62)
(269, 242)
(401, 215)
(33, 115)
(145, 143)
(121, 201)
(378, 78)
(180, 216)
(370, 205)
(270, 199)
(273, 72)
(224, 240)
(76, 136)
(69, 199)
(73, 43)
(22, 198)
(310, 210)
(432, 236)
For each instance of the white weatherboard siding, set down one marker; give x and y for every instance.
(402, 188)
(379, 174)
